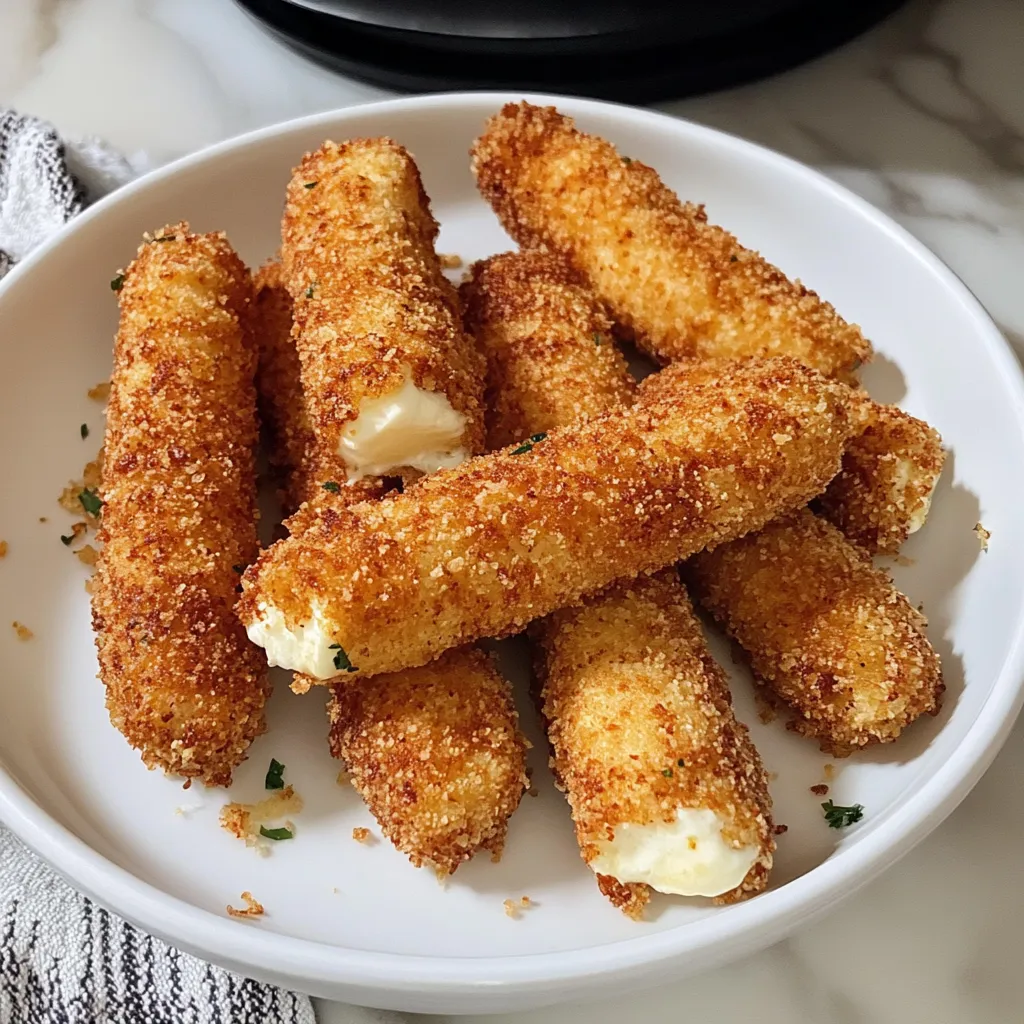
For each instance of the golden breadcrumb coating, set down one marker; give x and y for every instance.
(301, 465)
(826, 632)
(641, 723)
(482, 549)
(551, 360)
(890, 469)
(436, 753)
(184, 684)
(675, 284)
(372, 305)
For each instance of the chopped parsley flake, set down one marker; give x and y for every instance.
(538, 437)
(276, 833)
(309, 292)
(527, 446)
(275, 775)
(681, 763)
(84, 430)
(67, 541)
(597, 338)
(840, 817)
(117, 283)
(91, 502)
(627, 160)
(341, 662)
(164, 238)
(667, 773)
(332, 487)
(311, 184)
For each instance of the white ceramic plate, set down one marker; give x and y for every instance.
(356, 922)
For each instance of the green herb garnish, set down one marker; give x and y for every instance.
(276, 833)
(840, 817)
(311, 184)
(667, 773)
(275, 775)
(538, 437)
(681, 763)
(332, 487)
(309, 292)
(67, 541)
(527, 446)
(84, 430)
(597, 338)
(627, 160)
(164, 238)
(117, 284)
(341, 662)
(91, 502)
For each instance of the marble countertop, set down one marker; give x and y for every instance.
(925, 118)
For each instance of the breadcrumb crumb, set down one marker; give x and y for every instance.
(514, 907)
(3, 548)
(253, 907)
(361, 835)
(100, 392)
(829, 771)
(450, 260)
(781, 830)
(820, 790)
(87, 555)
(983, 535)
(24, 633)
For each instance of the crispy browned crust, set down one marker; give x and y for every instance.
(371, 301)
(641, 723)
(183, 683)
(436, 753)
(483, 549)
(826, 632)
(675, 284)
(890, 469)
(301, 465)
(551, 360)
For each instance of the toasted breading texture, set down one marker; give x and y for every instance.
(678, 286)
(301, 465)
(640, 718)
(505, 538)
(183, 683)
(371, 301)
(890, 469)
(436, 753)
(825, 631)
(551, 361)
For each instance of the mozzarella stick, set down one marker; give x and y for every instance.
(183, 684)
(679, 287)
(551, 361)
(826, 632)
(505, 538)
(890, 469)
(666, 789)
(393, 386)
(435, 751)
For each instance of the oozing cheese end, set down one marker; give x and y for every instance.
(685, 857)
(304, 648)
(405, 429)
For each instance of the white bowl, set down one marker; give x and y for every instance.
(356, 922)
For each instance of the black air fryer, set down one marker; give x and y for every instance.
(636, 50)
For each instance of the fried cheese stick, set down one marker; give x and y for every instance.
(890, 469)
(183, 684)
(666, 788)
(392, 383)
(434, 751)
(505, 538)
(826, 632)
(678, 286)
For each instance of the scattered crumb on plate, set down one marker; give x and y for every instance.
(781, 830)
(300, 684)
(101, 392)
(43, 519)
(513, 907)
(360, 835)
(3, 548)
(830, 771)
(983, 535)
(904, 560)
(24, 633)
(450, 260)
(344, 777)
(87, 555)
(820, 789)
(243, 821)
(253, 907)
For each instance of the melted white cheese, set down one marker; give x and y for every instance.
(906, 472)
(685, 857)
(405, 429)
(304, 648)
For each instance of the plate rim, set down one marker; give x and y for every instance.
(732, 931)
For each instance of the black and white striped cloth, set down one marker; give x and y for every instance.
(63, 960)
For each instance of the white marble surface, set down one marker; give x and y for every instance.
(925, 117)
